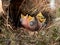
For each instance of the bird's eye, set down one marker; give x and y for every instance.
(31, 23)
(21, 20)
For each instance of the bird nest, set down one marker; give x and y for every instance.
(12, 35)
(32, 8)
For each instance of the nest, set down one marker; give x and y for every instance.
(9, 35)
(31, 7)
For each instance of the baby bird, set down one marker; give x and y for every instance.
(32, 23)
(29, 22)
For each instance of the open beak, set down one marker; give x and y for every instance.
(40, 17)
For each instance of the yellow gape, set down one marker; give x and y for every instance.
(40, 17)
(22, 16)
(28, 17)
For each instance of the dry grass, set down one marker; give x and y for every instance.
(46, 36)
